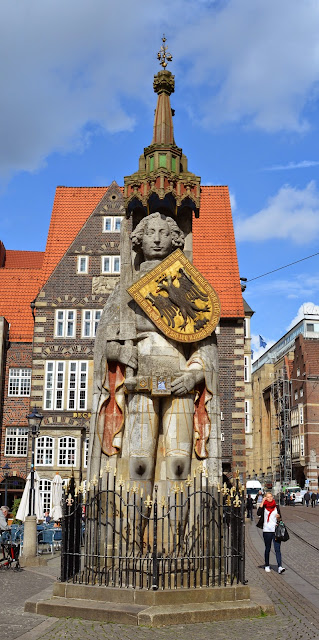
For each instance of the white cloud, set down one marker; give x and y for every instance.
(303, 164)
(292, 214)
(233, 202)
(307, 308)
(260, 60)
(68, 67)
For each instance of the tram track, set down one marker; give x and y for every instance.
(301, 538)
(287, 599)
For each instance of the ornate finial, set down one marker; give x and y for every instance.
(148, 502)
(163, 56)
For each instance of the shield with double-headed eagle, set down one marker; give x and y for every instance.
(178, 299)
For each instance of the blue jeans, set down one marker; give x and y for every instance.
(268, 538)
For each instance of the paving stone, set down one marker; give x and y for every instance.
(297, 616)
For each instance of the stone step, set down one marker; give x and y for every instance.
(153, 616)
(87, 610)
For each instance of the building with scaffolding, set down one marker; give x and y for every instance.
(285, 411)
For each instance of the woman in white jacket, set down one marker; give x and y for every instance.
(269, 515)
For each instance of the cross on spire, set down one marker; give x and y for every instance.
(163, 56)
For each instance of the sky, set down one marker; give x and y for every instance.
(78, 108)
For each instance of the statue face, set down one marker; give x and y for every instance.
(157, 240)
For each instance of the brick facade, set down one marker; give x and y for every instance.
(305, 405)
(15, 408)
(232, 394)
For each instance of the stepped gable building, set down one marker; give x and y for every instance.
(79, 269)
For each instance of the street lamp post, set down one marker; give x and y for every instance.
(34, 419)
(6, 468)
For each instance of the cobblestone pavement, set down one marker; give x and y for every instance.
(295, 595)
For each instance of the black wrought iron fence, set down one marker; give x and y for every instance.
(113, 535)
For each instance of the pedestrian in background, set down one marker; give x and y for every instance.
(313, 498)
(307, 498)
(249, 507)
(269, 515)
(4, 512)
(259, 498)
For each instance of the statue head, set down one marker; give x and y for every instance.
(156, 236)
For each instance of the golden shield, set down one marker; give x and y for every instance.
(178, 299)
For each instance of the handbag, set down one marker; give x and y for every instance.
(281, 532)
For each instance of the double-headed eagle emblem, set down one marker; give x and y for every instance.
(178, 299)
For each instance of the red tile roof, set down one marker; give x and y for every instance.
(71, 208)
(214, 249)
(18, 288)
(214, 252)
(24, 259)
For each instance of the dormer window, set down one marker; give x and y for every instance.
(83, 264)
(151, 163)
(112, 224)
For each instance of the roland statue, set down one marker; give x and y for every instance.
(155, 399)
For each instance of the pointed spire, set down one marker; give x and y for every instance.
(162, 181)
(164, 86)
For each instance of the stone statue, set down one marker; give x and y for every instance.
(148, 435)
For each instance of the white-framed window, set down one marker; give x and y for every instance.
(298, 372)
(294, 417)
(67, 452)
(19, 382)
(295, 445)
(90, 321)
(111, 264)
(65, 323)
(302, 446)
(301, 414)
(112, 224)
(247, 417)
(44, 451)
(247, 327)
(77, 385)
(45, 488)
(86, 453)
(66, 385)
(83, 264)
(247, 366)
(301, 392)
(296, 395)
(16, 443)
(54, 385)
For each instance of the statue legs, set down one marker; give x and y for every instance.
(141, 430)
(178, 415)
(141, 434)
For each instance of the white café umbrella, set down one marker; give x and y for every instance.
(56, 500)
(23, 510)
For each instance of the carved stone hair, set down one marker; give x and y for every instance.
(178, 238)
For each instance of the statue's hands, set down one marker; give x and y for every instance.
(128, 355)
(130, 384)
(183, 384)
(186, 382)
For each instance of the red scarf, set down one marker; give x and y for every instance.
(270, 506)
